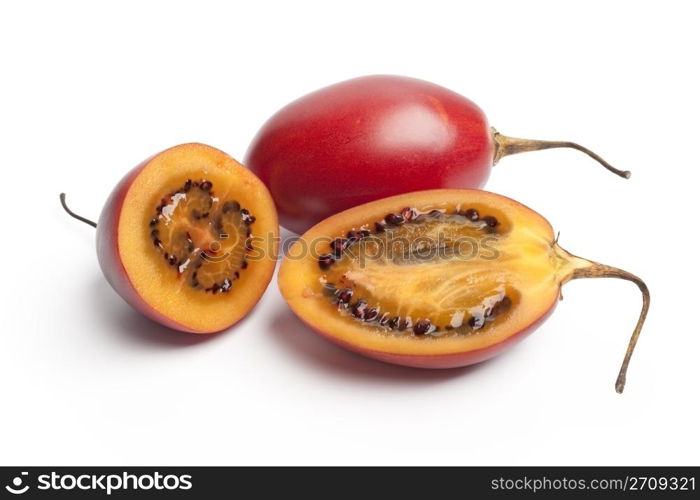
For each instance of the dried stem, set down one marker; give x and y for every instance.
(602, 271)
(62, 196)
(512, 145)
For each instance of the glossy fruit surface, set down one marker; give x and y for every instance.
(188, 238)
(373, 137)
(433, 279)
(365, 139)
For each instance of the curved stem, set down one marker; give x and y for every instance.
(602, 271)
(62, 196)
(512, 145)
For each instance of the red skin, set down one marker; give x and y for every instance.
(366, 139)
(455, 360)
(108, 252)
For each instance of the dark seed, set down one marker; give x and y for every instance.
(326, 261)
(394, 322)
(394, 219)
(338, 245)
(476, 323)
(236, 274)
(371, 314)
(472, 214)
(359, 309)
(384, 319)
(358, 235)
(154, 222)
(230, 206)
(490, 221)
(154, 233)
(345, 296)
(408, 213)
(172, 260)
(247, 218)
(205, 186)
(166, 255)
(244, 264)
(421, 327)
(379, 227)
(215, 288)
(403, 324)
(435, 213)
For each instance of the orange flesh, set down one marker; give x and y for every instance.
(517, 259)
(216, 243)
(422, 273)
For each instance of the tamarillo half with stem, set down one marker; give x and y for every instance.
(188, 238)
(435, 279)
(376, 136)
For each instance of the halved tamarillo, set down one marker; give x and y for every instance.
(189, 238)
(435, 279)
(376, 136)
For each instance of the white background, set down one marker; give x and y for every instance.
(89, 90)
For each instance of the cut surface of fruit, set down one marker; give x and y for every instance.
(189, 238)
(443, 268)
(421, 275)
(432, 279)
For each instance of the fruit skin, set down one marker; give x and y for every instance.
(108, 252)
(455, 360)
(365, 139)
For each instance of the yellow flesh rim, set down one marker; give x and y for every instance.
(535, 267)
(158, 284)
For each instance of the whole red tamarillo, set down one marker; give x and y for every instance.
(376, 136)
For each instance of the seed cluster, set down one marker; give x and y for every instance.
(361, 310)
(181, 252)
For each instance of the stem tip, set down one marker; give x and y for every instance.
(506, 146)
(62, 197)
